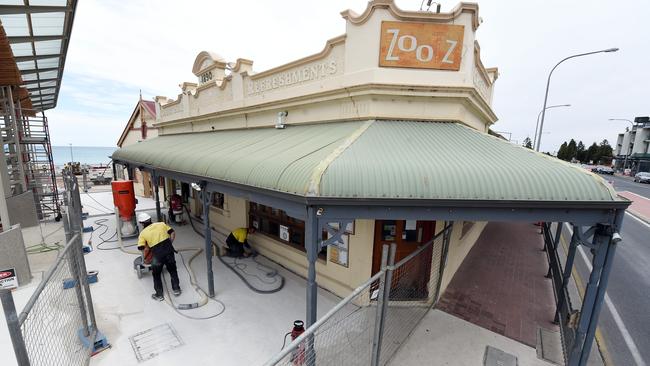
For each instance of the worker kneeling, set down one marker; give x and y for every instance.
(158, 238)
(238, 244)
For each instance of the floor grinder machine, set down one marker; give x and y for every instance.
(127, 227)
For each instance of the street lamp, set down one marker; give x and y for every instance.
(539, 114)
(627, 150)
(548, 83)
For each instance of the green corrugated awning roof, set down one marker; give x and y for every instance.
(374, 160)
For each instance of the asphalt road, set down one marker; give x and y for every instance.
(624, 321)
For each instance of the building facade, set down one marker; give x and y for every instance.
(386, 66)
(139, 128)
(633, 147)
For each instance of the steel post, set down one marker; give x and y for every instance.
(155, 181)
(386, 299)
(17, 138)
(13, 326)
(207, 234)
(446, 237)
(566, 276)
(601, 242)
(73, 266)
(600, 298)
(77, 227)
(312, 247)
(380, 306)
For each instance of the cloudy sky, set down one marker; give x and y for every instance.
(121, 47)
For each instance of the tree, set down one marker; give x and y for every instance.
(605, 152)
(561, 153)
(592, 153)
(581, 152)
(571, 150)
(528, 143)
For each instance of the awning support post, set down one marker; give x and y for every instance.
(602, 238)
(207, 234)
(566, 275)
(312, 247)
(556, 243)
(129, 171)
(155, 181)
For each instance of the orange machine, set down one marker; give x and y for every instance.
(125, 201)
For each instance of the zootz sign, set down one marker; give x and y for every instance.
(421, 45)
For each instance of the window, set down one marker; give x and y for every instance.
(217, 200)
(278, 225)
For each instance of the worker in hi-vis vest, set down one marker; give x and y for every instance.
(158, 237)
(238, 244)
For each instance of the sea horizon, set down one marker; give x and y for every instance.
(82, 154)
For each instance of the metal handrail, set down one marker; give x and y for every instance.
(41, 286)
(311, 330)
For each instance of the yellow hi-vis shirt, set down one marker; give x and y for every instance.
(154, 234)
(240, 234)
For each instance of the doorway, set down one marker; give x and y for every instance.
(408, 235)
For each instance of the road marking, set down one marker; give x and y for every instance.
(629, 342)
(638, 219)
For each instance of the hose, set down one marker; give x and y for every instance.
(271, 273)
(204, 298)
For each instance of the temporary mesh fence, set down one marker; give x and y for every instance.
(52, 324)
(370, 324)
(57, 323)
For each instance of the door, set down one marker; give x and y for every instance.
(411, 283)
(146, 184)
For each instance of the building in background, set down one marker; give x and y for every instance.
(139, 128)
(633, 147)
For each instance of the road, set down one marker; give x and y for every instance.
(624, 321)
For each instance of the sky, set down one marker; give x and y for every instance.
(119, 47)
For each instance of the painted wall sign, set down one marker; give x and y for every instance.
(421, 45)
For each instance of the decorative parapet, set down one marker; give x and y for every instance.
(340, 82)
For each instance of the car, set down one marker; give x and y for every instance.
(603, 170)
(642, 177)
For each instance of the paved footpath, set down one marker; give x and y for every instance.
(640, 206)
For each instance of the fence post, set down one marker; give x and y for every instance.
(384, 305)
(380, 305)
(76, 274)
(14, 327)
(77, 226)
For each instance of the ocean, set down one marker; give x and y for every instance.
(82, 154)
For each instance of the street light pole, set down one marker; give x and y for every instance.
(539, 114)
(548, 83)
(627, 150)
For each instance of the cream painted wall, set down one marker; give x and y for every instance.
(459, 248)
(352, 87)
(331, 276)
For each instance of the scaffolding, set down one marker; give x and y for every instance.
(28, 155)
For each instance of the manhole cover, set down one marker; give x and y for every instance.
(496, 357)
(152, 342)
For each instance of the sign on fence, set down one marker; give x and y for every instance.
(8, 279)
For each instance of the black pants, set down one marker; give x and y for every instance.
(235, 248)
(163, 255)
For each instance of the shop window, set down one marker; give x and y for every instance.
(278, 225)
(217, 200)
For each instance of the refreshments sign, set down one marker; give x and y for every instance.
(421, 45)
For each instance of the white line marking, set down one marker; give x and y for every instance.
(638, 219)
(629, 342)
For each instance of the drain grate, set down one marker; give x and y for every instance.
(154, 341)
(496, 357)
